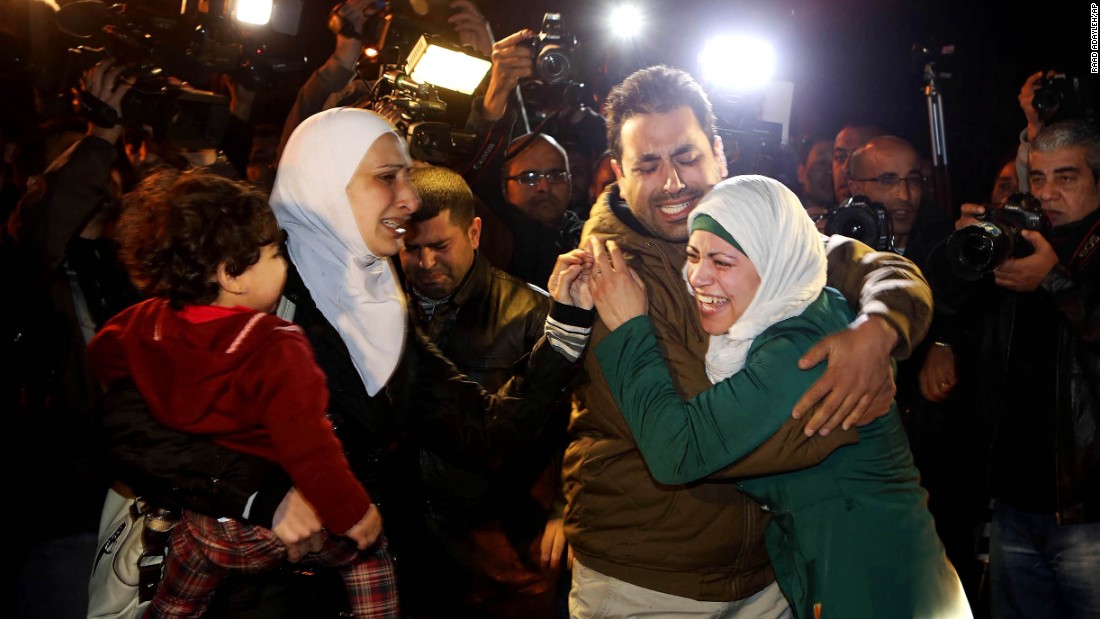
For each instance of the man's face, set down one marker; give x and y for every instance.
(903, 198)
(667, 165)
(438, 254)
(261, 161)
(546, 200)
(1007, 183)
(847, 141)
(1064, 184)
(816, 175)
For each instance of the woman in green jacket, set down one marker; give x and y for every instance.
(850, 537)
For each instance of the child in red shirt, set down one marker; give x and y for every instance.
(209, 358)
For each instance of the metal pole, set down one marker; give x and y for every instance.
(939, 140)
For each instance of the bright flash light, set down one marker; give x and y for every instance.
(433, 63)
(626, 21)
(256, 12)
(737, 62)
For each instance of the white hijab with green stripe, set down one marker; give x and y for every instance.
(772, 228)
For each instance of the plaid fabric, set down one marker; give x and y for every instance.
(205, 551)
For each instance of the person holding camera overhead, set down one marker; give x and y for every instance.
(1046, 97)
(1036, 319)
(356, 25)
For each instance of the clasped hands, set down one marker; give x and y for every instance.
(599, 277)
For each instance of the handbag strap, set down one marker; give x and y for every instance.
(158, 523)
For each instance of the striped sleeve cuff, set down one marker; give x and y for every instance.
(567, 337)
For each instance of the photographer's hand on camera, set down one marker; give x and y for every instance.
(240, 96)
(1026, 98)
(346, 22)
(471, 26)
(105, 83)
(1025, 274)
(969, 213)
(513, 60)
(392, 113)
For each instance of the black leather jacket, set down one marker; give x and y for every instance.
(986, 315)
(489, 324)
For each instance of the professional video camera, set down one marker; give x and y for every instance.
(1057, 97)
(412, 87)
(863, 220)
(171, 49)
(751, 145)
(979, 248)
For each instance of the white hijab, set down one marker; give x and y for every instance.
(775, 233)
(354, 289)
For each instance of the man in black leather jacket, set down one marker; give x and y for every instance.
(1036, 322)
(486, 522)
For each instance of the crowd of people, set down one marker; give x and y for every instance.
(580, 373)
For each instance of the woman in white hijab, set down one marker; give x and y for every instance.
(344, 197)
(852, 536)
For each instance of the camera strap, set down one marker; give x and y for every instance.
(1087, 249)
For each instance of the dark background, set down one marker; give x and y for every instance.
(850, 60)
(853, 60)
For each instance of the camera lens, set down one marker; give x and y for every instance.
(1046, 102)
(554, 65)
(979, 248)
(855, 223)
(853, 229)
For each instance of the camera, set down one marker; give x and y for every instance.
(419, 102)
(863, 220)
(1057, 98)
(553, 51)
(979, 248)
(165, 46)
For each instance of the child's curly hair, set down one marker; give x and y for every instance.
(178, 227)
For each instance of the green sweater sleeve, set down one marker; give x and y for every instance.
(683, 441)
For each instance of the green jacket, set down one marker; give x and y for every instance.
(704, 540)
(851, 532)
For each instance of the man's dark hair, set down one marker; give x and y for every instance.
(1070, 134)
(656, 90)
(807, 143)
(443, 189)
(178, 227)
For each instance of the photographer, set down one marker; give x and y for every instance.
(887, 170)
(1045, 98)
(1036, 320)
(354, 23)
(346, 21)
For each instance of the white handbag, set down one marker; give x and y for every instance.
(133, 542)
